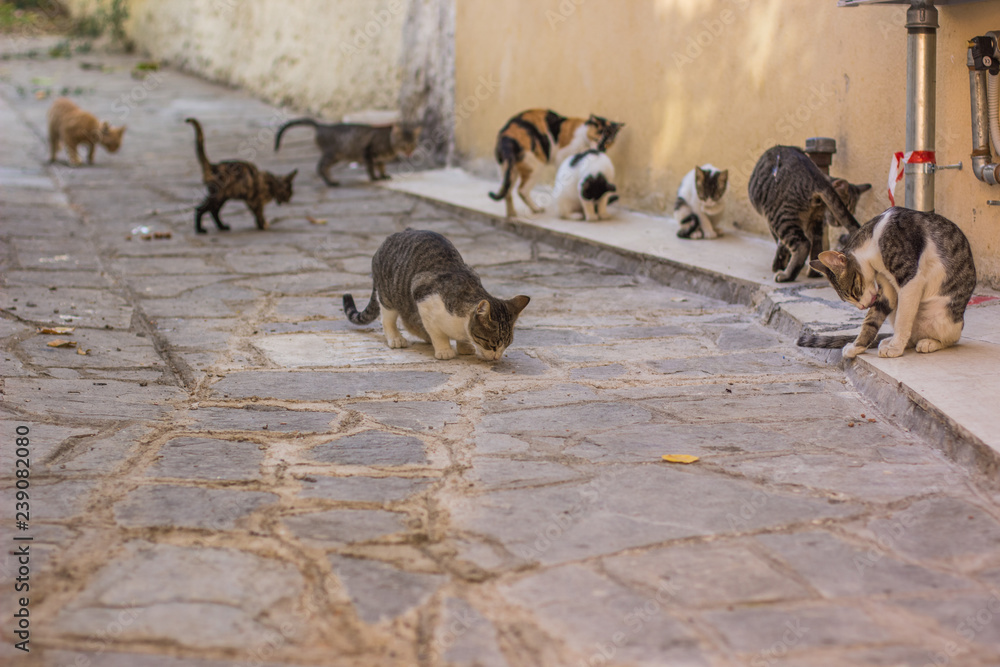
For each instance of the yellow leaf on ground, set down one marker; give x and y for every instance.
(61, 342)
(82, 351)
(679, 458)
(57, 330)
(316, 221)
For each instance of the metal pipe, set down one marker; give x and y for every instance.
(982, 159)
(921, 84)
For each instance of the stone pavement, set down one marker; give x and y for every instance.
(234, 475)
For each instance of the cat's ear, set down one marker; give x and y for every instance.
(722, 179)
(864, 187)
(833, 260)
(290, 177)
(483, 309)
(105, 127)
(518, 303)
(699, 176)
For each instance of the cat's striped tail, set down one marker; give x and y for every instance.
(366, 316)
(291, 123)
(199, 148)
(507, 155)
(808, 339)
(838, 209)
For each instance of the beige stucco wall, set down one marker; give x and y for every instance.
(720, 81)
(329, 57)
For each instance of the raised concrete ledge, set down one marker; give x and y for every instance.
(952, 397)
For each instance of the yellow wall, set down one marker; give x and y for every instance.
(330, 58)
(765, 72)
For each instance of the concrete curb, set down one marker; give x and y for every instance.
(894, 398)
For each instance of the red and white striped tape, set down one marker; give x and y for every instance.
(896, 168)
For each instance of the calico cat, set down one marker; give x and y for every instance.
(236, 179)
(71, 126)
(794, 195)
(538, 137)
(699, 202)
(420, 277)
(373, 144)
(913, 267)
(584, 184)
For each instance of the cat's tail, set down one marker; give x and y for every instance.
(366, 316)
(291, 123)
(838, 209)
(507, 154)
(199, 146)
(808, 339)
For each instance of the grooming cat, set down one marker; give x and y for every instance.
(419, 277)
(372, 144)
(584, 184)
(794, 195)
(537, 137)
(699, 202)
(71, 126)
(236, 179)
(913, 267)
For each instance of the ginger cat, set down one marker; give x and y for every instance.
(72, 126)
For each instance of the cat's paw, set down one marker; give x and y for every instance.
(851, 350)
(465, 348)
(200, 230)
(396, 342)
(926, 345)
(888, 348)
(445, 353)
(783, 277)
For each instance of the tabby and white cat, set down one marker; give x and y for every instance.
(537, 137)
(913, 267)
(699, 202)
(373, 144)
(585, 185)
(793, 194)
(419, 276)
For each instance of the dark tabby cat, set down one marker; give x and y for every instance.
(537, 137)
(236, 179)
(913, 267)
(794, 195)
(373, 144)
(420, 277)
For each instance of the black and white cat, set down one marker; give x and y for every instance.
(913, 267)
(699, 202)
(420, 277)
(585, 186)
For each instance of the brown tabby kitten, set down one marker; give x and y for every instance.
(236, 179)
(374, 144)
(537, 137)
(796, 197)
(72, 126)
